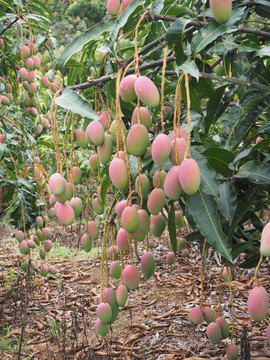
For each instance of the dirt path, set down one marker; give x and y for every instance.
(153, 325)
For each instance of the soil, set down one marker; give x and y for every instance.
(154, 324)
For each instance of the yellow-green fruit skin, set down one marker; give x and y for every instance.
(221, 10)
(265, 240)
(232, 352)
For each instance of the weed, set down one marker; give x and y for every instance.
(8, 343)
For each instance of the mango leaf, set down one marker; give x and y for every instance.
(104, 186)
(189, 67)
(172, 227)
(240, 248)
(158, 6)
(251, 262)
(255, 171)
(70, 100)
(213, 30)
(203, 209)
(209, 184)
(219, 159)
(175, 35)
(227, 201)
(212, 106)
(80, 41)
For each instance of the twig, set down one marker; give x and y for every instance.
(9, 25)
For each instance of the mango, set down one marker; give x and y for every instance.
(77, 206)
(126, 89)
(156, 201)
(208, 314)
(101, 329)
(118, 174)
(170, 258)
(86, 242)
(185, 253)
(144, 117)
(147, 91)
(81, 139)
(122, 131)
(65, 213)
(95, 132)
(57, 184)
(77, 174)
(105, 118)
(131, 276)
(105, 150)
(44, 271)
(195, 316)
(137, 140)
(92, 230)
(122, 240)
(104, 312)
(258, 303)
(144, 220)
(113, 252)
(121, 295)
(98, 207)
(189, 176)
(130, 219)
(119, 207)
(161, 149)
(47, 245)
(221, 10)
(224, 327)
(145, 185)
(265, 240)
(19, 235)
(159, 178)
(181, 146)
(213, 332)
(157, 225)
(172, 187)
(113, 7)
(148, 264)
(115, 269)
(232, 352)
(179, 133)
(24, 248)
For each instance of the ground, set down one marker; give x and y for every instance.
(154, 323)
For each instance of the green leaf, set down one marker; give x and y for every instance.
(255, 171)
(209, 184)
(213, 30)
(172, 227)
(227, 202)
(189, 67)
(175, 35)
(80, 41)
(251, 262)
(104, 186)
(75, 63)
(203, 209)
(264, 51)
(239, 248)
(19, 4)
(219, 159)
(70, 100)
(133, 166)
(158, 6)
(212, 106)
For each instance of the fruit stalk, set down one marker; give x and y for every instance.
(203, 253)
(231, 295)
(218, 290)
(162, 88)
(188, 115)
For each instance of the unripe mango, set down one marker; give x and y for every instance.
(181, 146)
(44, 271)
(77, 206)
(147, 91)
(104, 312)
(265, 240)
(47, 245)
(98, 207)
(24, 248)
(144, 220)
(118, 174)
(156, 201)
(137, 140)
(121, 295)
(81, 139)
(113, 252)
(36, 60)
(126, 89)
(110, 298)
(92, 230)
(170, 258)
(115, 270)
(130, 219)
(46, 233)
(179, 220)
(144, 117)
(95, 132)
(161, 149)
(145, 185)
(139, 235)
(148, 264)
(52, 269)
(172, 187)
(157, 225)
(101, 329)
(185, 253)
(31, 77)
(131, 276)
(224, 327)
(208, 314)
(213, 332)
(76, 174)
(122, 240)
(113, 7)
(232, 352)
(258, 303)
(57, 184)
(189, 176)
(226, 275)
(42, 253)
(105, 150)
(19, 236)
(62, 198)
(45, 81)
(105, 118)
(159, 178)
(51, 213)
(221, 10)
(32, 244)
(86, 242)
(119, 207)
(65, 214)
(195, 316)
(94, 162)
(32, 88)
(24, 52)
(180, 133)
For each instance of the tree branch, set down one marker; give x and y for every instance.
(9, 25)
